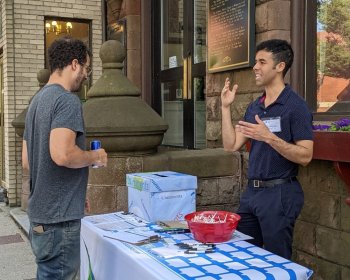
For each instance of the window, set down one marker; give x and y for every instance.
(179, 42)
(333, 56)
(326, 56)
(60, 27)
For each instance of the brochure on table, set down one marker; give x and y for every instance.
(132, 229)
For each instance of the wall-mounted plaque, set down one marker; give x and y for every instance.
(231, 34)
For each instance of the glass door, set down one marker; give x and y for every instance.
(180, 52)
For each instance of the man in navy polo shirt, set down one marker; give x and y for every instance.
(279, 125)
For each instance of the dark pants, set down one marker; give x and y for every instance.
(268, 215)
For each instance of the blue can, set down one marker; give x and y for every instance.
(95, 145)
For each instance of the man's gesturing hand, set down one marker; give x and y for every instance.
(228, 96)
(259, 131)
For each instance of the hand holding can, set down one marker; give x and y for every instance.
(95, 145)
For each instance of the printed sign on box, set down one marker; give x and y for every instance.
(161, 196)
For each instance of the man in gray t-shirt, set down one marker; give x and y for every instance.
(54, 153)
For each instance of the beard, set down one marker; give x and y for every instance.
(78, 82)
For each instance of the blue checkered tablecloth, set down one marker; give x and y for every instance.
(235, 261)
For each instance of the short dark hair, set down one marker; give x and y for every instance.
(64, 50)
(281, 51)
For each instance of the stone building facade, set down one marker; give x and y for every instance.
(322, 233)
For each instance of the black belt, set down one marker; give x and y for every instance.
(270, 183)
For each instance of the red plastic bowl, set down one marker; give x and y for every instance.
(213, 232)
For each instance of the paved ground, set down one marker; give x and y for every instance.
(16, 257)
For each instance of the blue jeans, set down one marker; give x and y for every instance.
(57, 249)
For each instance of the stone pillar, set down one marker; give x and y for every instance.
(18, 123)
(114, 112)
(43, 76)
(127, 127)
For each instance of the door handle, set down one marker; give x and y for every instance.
(187, 77)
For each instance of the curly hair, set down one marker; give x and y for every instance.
(64, 50)
(281, 51)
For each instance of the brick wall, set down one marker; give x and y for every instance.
(322, 232)
(23, 52)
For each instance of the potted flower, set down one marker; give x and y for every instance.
(331, 142)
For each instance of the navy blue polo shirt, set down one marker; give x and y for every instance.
(296, 124)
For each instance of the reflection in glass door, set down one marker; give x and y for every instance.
(180, 70)
(172, 112)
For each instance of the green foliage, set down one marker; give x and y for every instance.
(334, 15)
(337, 59)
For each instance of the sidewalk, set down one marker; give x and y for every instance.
(16, 258)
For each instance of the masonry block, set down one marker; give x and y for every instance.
(103, 199)
(273, 34)
(261, 14)
(215, 82)
(205, 163)
(213, 131)
(213, 108)
(304, 237)
(229, 190)
(133, 23)
(120, 170)
(328, 215)
(218, 207)
(132, 7)
(122, 198)
(207, 192)
(134, 40)
(305, 259)
(310, 212)
(333, 245)
(344, 216)
(156, 162)
(345, 273)
(327, 270)
(104, 175)
(273, 15)
(134, 67)
(245, 79)
(133, 164)
(240, 105)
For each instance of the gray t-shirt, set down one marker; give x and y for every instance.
(57, 193)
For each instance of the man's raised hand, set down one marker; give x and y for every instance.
(228, 96)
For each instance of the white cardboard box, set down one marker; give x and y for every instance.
(161, 196)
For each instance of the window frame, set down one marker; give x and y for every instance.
(304, 43)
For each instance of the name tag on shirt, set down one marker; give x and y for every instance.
(274, 124)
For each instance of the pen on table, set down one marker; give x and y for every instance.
(172, 230)
(195, 245)
(198, 251)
